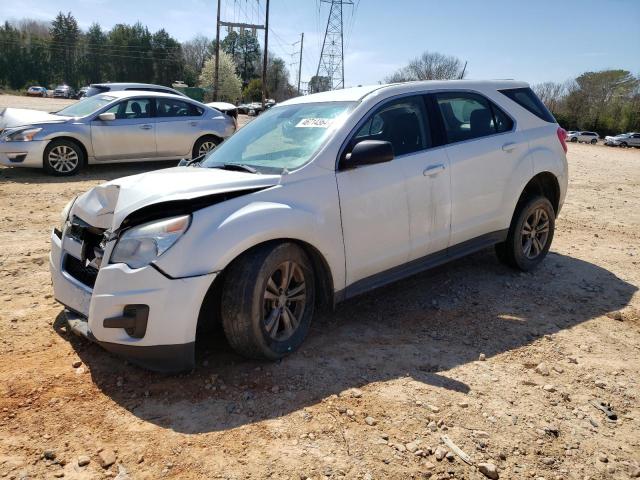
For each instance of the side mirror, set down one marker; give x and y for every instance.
(107, 116)
(368, 152)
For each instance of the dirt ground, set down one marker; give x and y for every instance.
(379, 382)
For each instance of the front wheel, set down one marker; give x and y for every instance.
(594, 141)
(624, 145)
(574, 140)
(203, 146)
(268, 301)
(63, 158)
(530, 235)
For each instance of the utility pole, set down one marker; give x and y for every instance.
(216, 72)
(331, 64)
(300, 62)
(242, 27)
(265, 59)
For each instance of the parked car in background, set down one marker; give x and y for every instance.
(586, 137)
(36, 92)
(64, 91)
(96, 88)
(319, 199)
(631, 139)
(227, 108)
(108, 128)
(82, 93)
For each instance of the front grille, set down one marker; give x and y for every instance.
(77, 269)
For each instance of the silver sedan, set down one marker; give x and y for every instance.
(109, 128)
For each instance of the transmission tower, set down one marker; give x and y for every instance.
(330, 71)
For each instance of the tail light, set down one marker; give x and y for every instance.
(562, 137)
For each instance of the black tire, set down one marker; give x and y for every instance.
(513, 251)
(247, 312)
(74, 158)
(624, 144)
(206, 140)
(594, 141)
(574, 139)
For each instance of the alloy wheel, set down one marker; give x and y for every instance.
(206, 147)
(63, 159)
(535, 233)
(284, 301)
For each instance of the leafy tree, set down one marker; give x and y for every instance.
(167, 58)
(229, 82)
(319, 84)
(253, 91)
(96, 61)
(245, 52)
(430, 66)
(65, 35)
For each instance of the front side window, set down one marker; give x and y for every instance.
(467, 116)
(401, 122)
(133, 108)
(169, 107)
(284, 137)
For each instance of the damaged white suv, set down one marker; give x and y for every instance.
(319, 199)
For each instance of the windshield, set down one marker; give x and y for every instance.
(86, 107)
(285, 137)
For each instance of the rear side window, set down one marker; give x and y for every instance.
(467, 116)
(530, 101)
(169, 107)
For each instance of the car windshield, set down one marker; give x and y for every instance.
(86, 107)
(284, 137)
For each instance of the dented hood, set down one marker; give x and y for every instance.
(17, 117)
(107, 205)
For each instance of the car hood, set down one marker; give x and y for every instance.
(107, 205)
(17, 117)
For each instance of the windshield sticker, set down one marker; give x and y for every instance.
(315, 123)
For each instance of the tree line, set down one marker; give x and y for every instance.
(50, 53)
(607, 101)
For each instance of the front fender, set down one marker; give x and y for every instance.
(222, 232)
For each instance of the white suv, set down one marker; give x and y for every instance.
(319, 199)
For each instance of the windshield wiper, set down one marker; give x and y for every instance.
(236, 166)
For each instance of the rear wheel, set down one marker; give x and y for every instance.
(62, 158)
(268, 301)
(594, 141)
(530, 235)
(204, 145)
(574, 139)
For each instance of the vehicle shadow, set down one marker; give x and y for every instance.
(104, 172)
(419, 328)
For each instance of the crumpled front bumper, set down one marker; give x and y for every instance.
(168, 341)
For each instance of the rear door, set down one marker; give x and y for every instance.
(178, 126)
(483, 148)
(131, 136)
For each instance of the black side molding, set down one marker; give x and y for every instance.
(133, 319)
(421, 264)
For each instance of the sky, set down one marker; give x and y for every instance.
(534, 40)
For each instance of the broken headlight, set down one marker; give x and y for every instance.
(140, 245)
(64, 214)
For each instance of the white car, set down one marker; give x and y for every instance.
(321, 198)
(586, 137)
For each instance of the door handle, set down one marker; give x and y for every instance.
(193, 124)
(433, 170)
(508, 147)
(145, 127)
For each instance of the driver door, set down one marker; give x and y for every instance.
(374, 198)
(131, 136)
